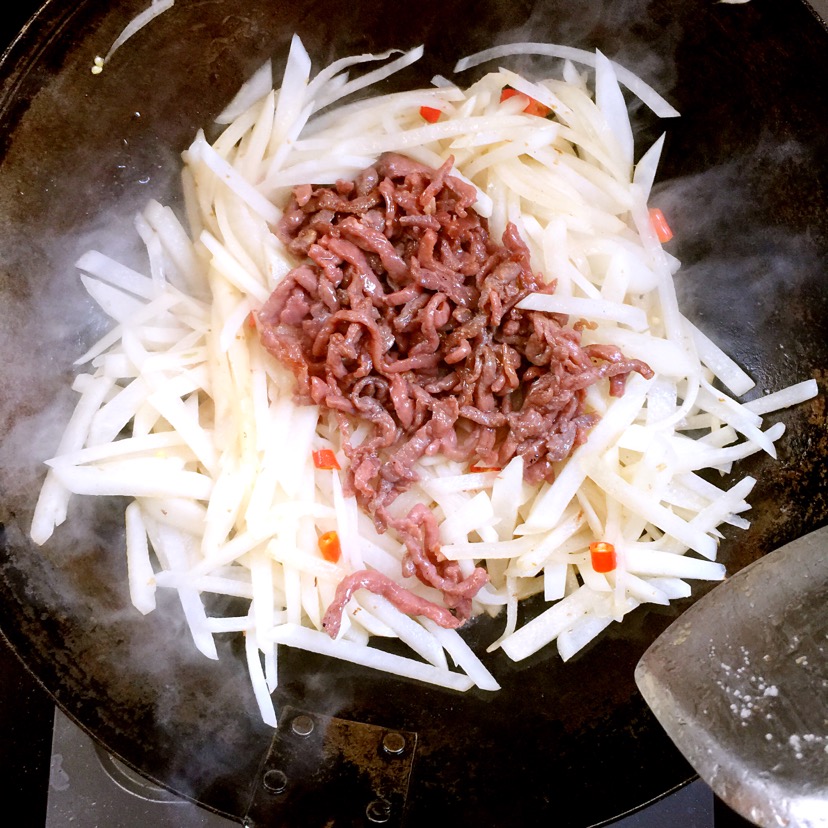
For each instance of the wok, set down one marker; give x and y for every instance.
(745, 186)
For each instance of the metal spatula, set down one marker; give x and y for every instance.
(740, 684)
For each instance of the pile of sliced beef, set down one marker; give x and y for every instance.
(403, 316)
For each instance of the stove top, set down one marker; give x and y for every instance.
(53, 770)
(87, 787)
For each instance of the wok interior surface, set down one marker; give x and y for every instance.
(744, 185)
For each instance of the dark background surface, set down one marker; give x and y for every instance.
(26, 710)
(26, 715)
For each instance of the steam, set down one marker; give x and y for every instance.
(626, 32)
(46, 322)
(744, 266)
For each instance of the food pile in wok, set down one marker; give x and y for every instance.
(407, 359)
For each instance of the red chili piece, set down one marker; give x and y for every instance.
(430, 114)
(603, 556)
(330, 547)
(325, 459)
(532, 108)
(662, 229)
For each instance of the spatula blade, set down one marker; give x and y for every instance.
(740, 684)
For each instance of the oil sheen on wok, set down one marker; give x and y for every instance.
(331, 394)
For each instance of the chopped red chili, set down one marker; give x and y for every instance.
(532, 108)
(330, 547)
(662, 229)
(603, 556)
(325, 459)
(430, 114)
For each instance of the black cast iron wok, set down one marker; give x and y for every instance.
(746, 194)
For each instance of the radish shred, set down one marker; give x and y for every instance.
(218, 460)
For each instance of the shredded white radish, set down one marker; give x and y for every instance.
(183, 411)
(319, 642)
(636, 85)
(784, 398)
(139, 565)
(132, 28)
(251, 92)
